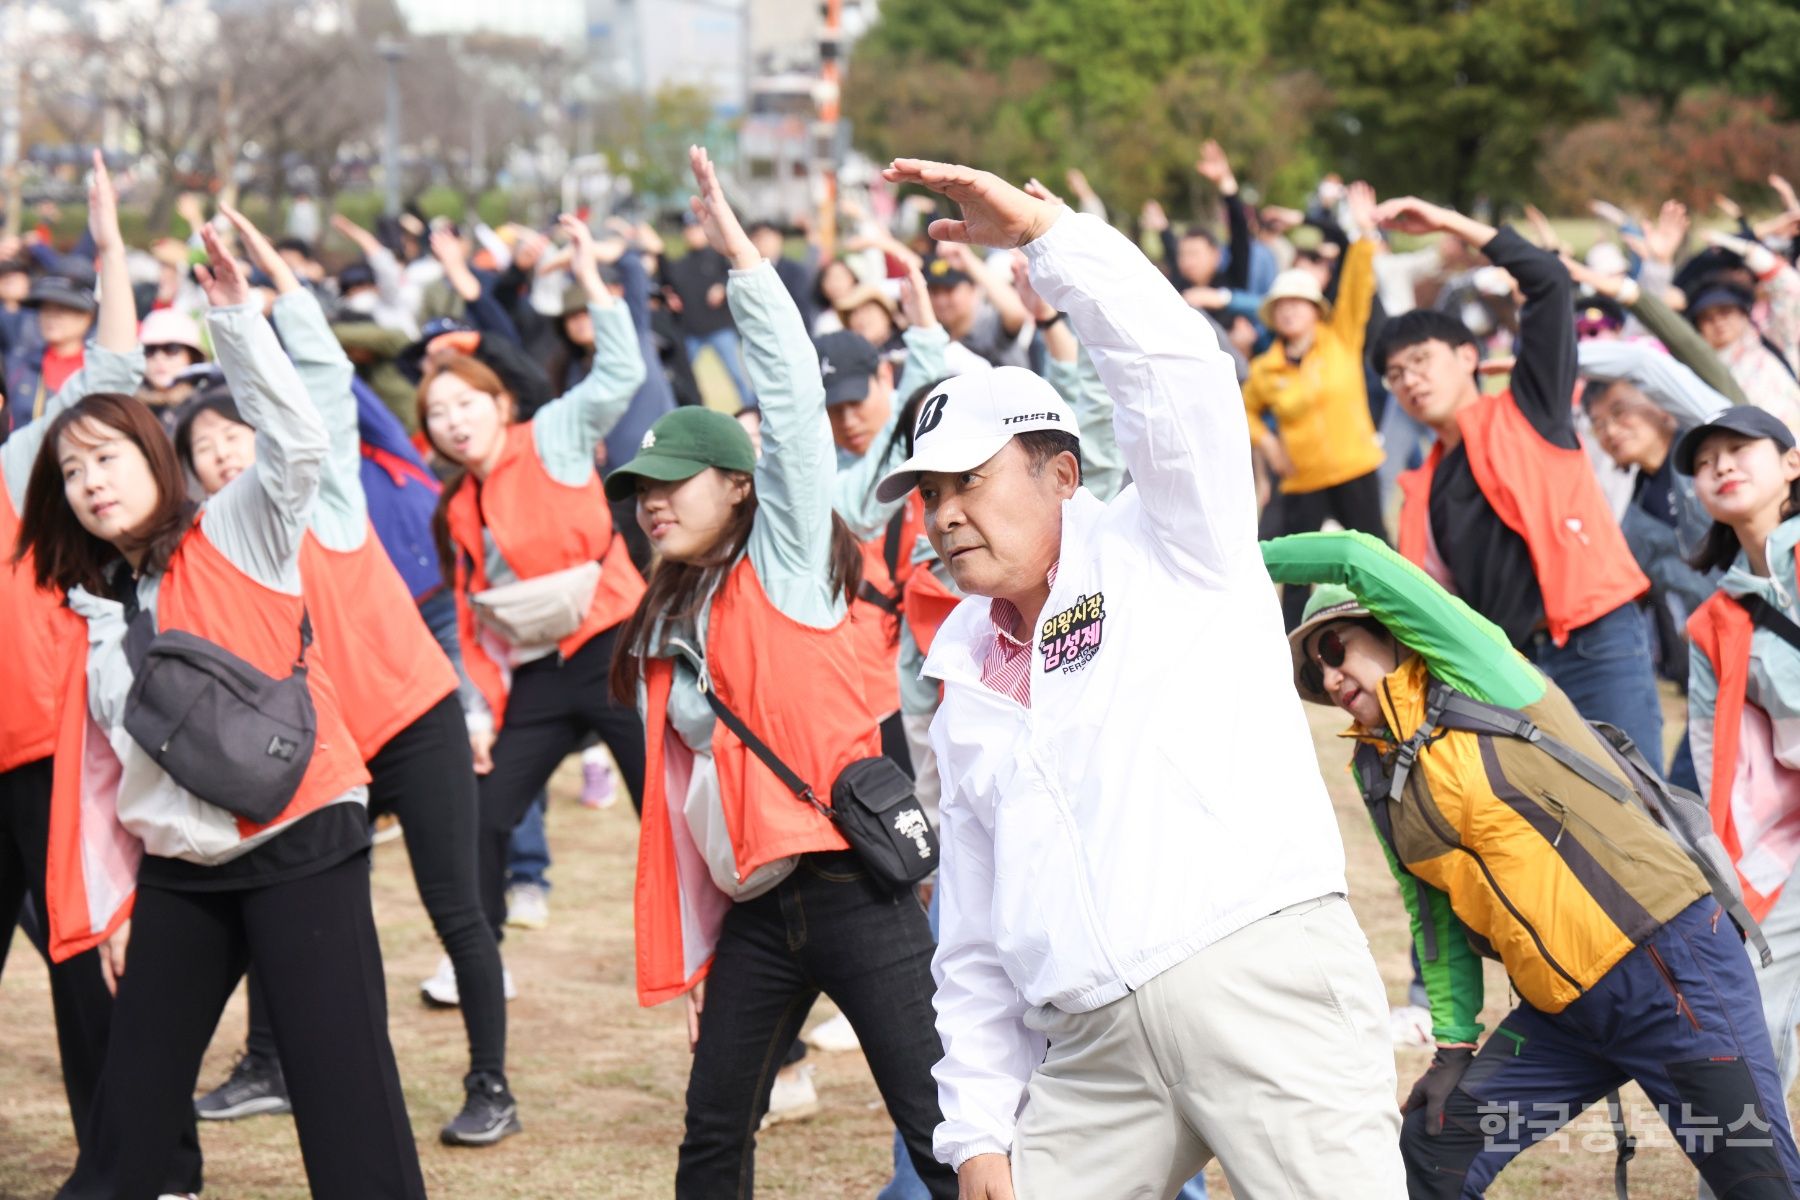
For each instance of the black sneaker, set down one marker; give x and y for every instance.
(489, 1114)
(254, 1086)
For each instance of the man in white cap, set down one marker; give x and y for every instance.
(1146, 956)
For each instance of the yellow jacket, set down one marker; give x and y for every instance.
(1321, 403)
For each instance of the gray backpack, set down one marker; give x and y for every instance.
(222, 729)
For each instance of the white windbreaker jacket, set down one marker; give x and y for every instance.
(1161, 791)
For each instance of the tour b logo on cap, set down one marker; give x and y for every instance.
(931, 414)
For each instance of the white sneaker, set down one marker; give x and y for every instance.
(527, 906)
(1410, 1025)
(793, 1098)
(834, 1036)
(440, 990)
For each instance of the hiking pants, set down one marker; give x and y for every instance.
(1681, 1016)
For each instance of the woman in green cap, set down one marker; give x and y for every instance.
(748, 896)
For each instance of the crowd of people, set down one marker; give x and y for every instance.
(949, 634)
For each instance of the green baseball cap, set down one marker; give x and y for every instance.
(682, 444)
(1329, 602)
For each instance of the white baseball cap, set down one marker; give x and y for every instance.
(970, 418)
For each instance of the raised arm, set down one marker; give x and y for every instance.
(567, 429)
(1214, 167)
(341, 516)
(1459, 645)
(1072, 374)
(258, 519)
(115, 362)
(1668, 384)
(795, 477)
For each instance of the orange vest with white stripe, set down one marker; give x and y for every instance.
(797, 688)
(1722, 630)
(203, 593)
(541, 525)
(1546, 494)
(34, 663)
(370, 638)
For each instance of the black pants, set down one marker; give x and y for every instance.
(826, 928)
(425, 776)
(78, 994)
(313, 942)
(552, 708)
(1355, 504)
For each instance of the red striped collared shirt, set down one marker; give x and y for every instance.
(1007, 667)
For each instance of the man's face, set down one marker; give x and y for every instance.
(63, 326)
(1197, 259)
(768, 242)
(954, 306)
(694, 236)
(854, 423)
(1432, 380)
(998, 527)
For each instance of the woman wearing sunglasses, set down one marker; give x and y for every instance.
(1610, 934)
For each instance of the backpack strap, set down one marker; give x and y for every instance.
(1771, 618)
(890, 554)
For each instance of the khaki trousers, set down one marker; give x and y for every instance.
(1268, 1049)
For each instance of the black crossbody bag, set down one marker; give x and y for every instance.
(872, 805)
(222, 729)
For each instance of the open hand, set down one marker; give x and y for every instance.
(261, 251)
(1409, 214)
(103, 210)
(220, 276)
(723, 233)
(1215, 168)
(994, 212)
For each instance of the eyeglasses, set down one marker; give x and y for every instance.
(1329, 650)
(1415, 367)
(170, 349)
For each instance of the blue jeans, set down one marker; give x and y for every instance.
(724, 343)
(528, 854)
(1680, 1014)
(1606, 672)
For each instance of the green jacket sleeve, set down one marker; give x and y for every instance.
(1447, 963)
(1459, 645)
(1686, 344)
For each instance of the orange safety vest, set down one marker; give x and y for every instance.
(204, 594)
(541, 525)
(369, 635)
(34, 665)
(1547, 495)
(816, 718)
(1722, 630)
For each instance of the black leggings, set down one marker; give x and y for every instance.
(1356, 505)
(313, 941)
(425, 776)
(552, 708)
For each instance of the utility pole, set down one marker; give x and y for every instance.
(826, 135)
(391, 52)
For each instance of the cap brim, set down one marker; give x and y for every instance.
(960, 454)
(1297, 646)
(848, 391)
(648, 464)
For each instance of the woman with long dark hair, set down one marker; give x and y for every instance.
(744, 888)
(199, 889)
(398, 691)
(541, 578)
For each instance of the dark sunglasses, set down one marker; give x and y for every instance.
(169, 348)
(1330, 650)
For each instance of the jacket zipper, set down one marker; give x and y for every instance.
(1682, 1007)
(1518, 916)
(1565, 814)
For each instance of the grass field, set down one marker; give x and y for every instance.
(600, 1081)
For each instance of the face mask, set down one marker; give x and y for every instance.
(363, 303)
